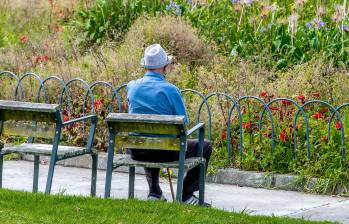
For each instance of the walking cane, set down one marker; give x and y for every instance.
(171, 186)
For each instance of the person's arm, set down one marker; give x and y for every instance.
(178, 106)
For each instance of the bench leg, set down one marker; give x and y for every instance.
(131, 182)
(1, 167)
(50, 176)
(109, 172)
(36, 173)
(180, 176)
(202, 183)
(94, 174)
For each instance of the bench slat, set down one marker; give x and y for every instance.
(43, 149)
(23, 129)
(128, 161)
(26, 111)
(147, 128)
(145, 118)
(7, 115)
(28, 106)
(139, 142)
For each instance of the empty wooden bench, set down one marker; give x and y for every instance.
(168, 132)
(37, 120)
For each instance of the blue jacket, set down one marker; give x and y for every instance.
(152, 94)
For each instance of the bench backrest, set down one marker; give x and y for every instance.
(144, 131)
(29, 119)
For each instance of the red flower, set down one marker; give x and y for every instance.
(273, 108)
(247, 125)
(98, 104)
(65, 118)
(44, 58)
(23, 39)
(233, 141)
(318, 115)
(224, 135)
(283, 136)
(264, 93)
(286, 102)
(316, 95)
(338, 125)
(301, 98)
(41, 58)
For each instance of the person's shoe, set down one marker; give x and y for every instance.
(193, 200)
(155, 198)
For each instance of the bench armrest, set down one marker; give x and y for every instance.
(195, 128)
(92, 117)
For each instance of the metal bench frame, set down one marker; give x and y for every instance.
(49, 114)
(122, 127)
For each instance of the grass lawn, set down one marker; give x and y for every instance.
(20, 207)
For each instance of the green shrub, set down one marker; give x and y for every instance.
(112, 18)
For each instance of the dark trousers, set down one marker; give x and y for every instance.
(191, 180)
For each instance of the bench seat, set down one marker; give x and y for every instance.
(44, 149)
(128, 161)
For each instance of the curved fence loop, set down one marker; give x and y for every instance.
(13, 76)
(265, 107)
(198, 113)
(115, 94)
(20, 86)
(61, 82)
(118, 91)
(235, 105)
(87, 89)
(300, 110)
(121, 87)
(338, 109)
(334, 110)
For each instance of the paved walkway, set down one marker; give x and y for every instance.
(18, 175)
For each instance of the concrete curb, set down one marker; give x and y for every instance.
(222, 176)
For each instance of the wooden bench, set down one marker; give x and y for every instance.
(168, 132)
(38, 120)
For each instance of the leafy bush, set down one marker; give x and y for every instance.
(112, 18)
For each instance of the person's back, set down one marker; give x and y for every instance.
(152, 94)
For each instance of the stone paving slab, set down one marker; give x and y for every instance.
(18, 176)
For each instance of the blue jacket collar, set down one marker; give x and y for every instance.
(155, 75)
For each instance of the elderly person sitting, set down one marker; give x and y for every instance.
(152, 94)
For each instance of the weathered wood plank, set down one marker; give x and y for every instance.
(145, 118)
(20, 111)
(147, 128)
(28, 106)
(15, 115)
(188, 163)
(43, 149)
(28, 130)
(139, 142)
